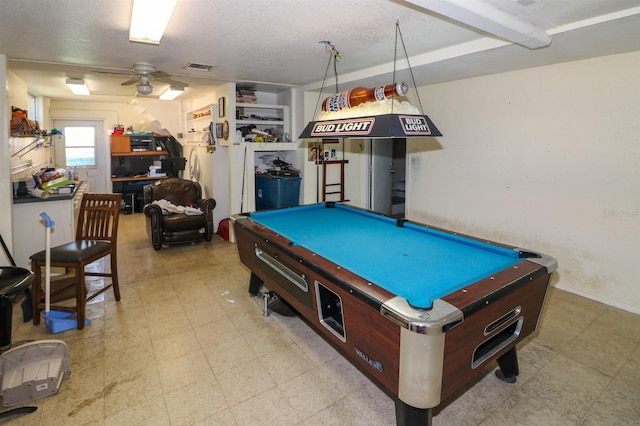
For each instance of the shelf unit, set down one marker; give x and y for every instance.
(136, 179)
(139, 153)
(123, 156)
(264, 117)
(197, 126)
(121, 147)
(252, 155)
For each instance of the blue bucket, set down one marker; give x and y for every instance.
(58, 322)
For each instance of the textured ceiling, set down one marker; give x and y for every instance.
(277, 41)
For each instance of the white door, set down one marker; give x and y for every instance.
(381, 175)
(96, 174)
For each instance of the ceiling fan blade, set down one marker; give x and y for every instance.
(159, 74)
(130, 82)
(174, 83)
(126, 73)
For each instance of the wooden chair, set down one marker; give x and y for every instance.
(96, 237)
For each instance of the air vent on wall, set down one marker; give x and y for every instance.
(198, 67)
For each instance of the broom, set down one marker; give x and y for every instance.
(56, 321)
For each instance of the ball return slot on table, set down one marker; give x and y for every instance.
(330, 311)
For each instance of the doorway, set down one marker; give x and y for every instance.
(387, 166)
(86, 155)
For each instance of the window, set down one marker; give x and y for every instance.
(80, 146)
(33, 107)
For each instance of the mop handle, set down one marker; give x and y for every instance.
(47, 245)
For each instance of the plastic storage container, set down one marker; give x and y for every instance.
(276, 192)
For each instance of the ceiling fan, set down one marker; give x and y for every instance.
(145, 73)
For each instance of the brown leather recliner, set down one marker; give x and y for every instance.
(176, 228)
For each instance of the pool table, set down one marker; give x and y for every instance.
(418, 309)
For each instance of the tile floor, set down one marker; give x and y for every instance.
(178, 350)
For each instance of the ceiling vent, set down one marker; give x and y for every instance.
(198, 67)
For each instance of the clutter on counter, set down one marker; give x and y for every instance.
(26, 191)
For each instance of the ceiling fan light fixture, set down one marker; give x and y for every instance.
(171, 93)
(144, 88)
(149, 19)
(78, 86)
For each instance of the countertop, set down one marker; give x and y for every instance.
(52, 196)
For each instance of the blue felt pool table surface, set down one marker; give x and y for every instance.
(415, 262)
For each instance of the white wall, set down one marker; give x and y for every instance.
(13, 93)
(545, 158)
(112, 112)
(25, 149)
(5, 174)
(214, 167)
(162, 117)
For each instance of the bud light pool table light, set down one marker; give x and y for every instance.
(383, 117)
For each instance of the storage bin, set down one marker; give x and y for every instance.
(276, 192)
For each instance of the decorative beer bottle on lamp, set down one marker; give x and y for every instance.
(360, 95)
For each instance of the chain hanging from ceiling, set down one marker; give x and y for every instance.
(395, 56)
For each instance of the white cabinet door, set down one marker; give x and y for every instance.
(29, 229)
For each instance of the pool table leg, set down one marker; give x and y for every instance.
(407, 415)
(254, 284)
(508, 366)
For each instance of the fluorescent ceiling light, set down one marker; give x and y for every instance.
(171, 93)
(480, 15)
(77, 86)
(149, 19)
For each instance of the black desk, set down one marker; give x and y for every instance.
(131, 189)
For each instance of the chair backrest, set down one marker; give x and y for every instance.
(98, 218)
(180, 192)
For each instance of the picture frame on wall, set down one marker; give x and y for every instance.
(218, 130)
(225, 130)
(221, 107)
(315, 150)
